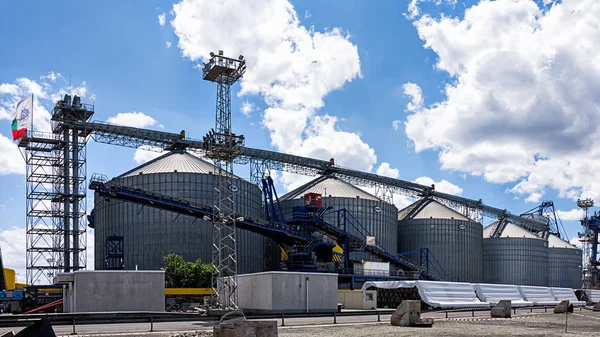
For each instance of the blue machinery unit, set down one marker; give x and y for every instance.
(301, 230)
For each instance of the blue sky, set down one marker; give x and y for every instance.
(118, 53)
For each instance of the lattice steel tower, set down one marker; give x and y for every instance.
(223, 146)
(55, 179)
(589, 240)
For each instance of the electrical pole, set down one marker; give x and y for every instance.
(223, 146)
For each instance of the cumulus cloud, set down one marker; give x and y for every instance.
(575, 214)
(396, 124)
(146, 153)
(247, 108)
(133, 119)
(290, 66)
(386, 170)
(161, 19)
(13, 246)
(443, 186)
(416, 95)
(524, 96)
(11, 160)
(168, 44)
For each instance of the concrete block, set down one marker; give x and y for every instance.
(408, 313)
(597, 307)
(502, 309)
(563, 307)
(243, 328)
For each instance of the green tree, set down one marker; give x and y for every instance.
(181, 274)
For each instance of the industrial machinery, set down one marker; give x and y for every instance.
(300, 230)
(589, 239)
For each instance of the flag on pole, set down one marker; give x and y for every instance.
(23, 118)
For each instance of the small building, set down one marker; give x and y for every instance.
(112, 290)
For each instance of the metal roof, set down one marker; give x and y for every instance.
(430, 209)
(510, 231)
(556, 242)
(175, 161)
(329, 186)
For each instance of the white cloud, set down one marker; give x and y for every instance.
(133, 119)
(11, 160)
(385, 170)
(396, 124)
(292, 67)
(247, 108)
(52, 76)
(146, 153)
(13, 248)
(413, 9)
(575, 242)
(161, 19)
(307, 14)
(524, 97)
(168, 44)
(416, 95)
(8, 88)
(443, 186)
(575, 214)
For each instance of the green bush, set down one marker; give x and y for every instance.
(181, 274)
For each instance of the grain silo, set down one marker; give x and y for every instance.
(512, 255)
(453, 239)
(376, 216)
(564, 264)
(150, 233)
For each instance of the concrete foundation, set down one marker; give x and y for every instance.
(501, 310)
(287, 292)
(118, 290)
(408, 313)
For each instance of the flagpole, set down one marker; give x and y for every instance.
(32, 104)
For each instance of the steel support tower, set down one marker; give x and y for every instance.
(589, 240)
(223, 146)
(56, 189)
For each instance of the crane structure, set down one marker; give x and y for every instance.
(223, 147)
(589, 240)
(547, 212)
(55, 194)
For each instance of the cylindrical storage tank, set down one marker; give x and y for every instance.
(453, 240)
(149, 234)
(514, 256)
(376, 216)
(11, 278)
(564, 264)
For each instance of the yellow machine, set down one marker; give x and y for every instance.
(10, 277)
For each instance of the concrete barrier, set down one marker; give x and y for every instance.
(408, 313)
(563, 307)
(243, 328)
(502, 309)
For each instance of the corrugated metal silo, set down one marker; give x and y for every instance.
(377, 216)
(150, 234)
(454, 240)
(515, 256)
(564, 264)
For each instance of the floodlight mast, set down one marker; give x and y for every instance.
(223, 146)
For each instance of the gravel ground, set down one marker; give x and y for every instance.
(543, 325)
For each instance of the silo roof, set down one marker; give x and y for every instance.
(430, 209)
(556, 242)
(329, 186)
(510, 231)
(175, 161)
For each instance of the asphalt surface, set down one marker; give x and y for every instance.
(319, 323)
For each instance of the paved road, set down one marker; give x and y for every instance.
(137, 328)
